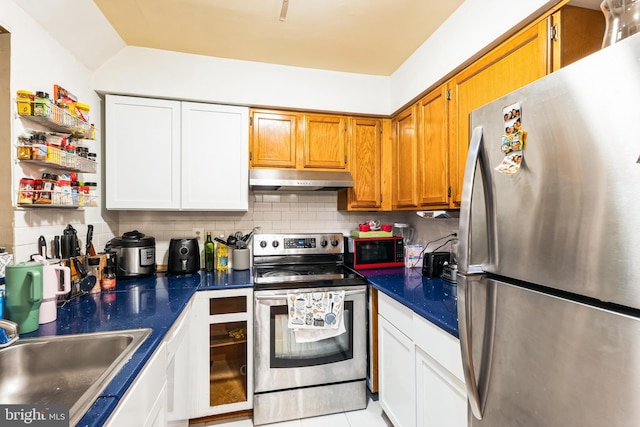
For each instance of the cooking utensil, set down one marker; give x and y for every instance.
(231, 240)
(90, 249)
(219, 240)
(56, 247)
(42, 247)
(65, 245)
(86, 282)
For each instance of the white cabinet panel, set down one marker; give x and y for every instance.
(142, 153)
(441, 397)
(172, 155)
(396, 370)
(146, 396)
(215, 150)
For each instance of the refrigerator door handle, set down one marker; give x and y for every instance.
(475, 157)
(476, 390)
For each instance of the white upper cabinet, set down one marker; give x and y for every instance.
(172, 155)
(215, 157)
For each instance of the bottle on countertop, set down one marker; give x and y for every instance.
(222, 256)
(108, 278)
(209, 253)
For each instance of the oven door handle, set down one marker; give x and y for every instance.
(284, 296)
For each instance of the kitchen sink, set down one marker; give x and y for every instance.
(65, 369)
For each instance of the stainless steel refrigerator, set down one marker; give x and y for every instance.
(549, 262)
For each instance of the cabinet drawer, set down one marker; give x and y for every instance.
(441, 346)
(397, 314)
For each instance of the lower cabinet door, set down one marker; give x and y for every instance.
(145, 401)
(222, 351)
(396, 370)
(440, 396)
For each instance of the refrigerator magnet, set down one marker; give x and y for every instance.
(512, 143)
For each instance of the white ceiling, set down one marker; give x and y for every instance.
(359, 36)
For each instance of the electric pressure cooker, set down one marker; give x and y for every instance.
(135, 254)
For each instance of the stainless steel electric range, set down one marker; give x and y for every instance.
(304, 379)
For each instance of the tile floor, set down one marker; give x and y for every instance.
(370, 417)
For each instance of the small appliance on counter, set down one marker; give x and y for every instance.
(375, 252)
(449, 273)
(434, 263)
(184, 256)
(135, 254)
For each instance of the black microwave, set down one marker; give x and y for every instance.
(378, 252)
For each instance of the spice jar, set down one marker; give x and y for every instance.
(25, 196)
(37, 189)
(24, 102)
(48, 183)
(41, 104)
(91, 192)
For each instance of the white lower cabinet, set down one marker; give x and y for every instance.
(160, 395)
(396, 390)
(145, 402)
(420, 370)
(222, 352)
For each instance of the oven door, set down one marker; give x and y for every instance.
(281, 363)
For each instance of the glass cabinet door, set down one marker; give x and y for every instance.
(223, 352)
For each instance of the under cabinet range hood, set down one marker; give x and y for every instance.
(298, 180)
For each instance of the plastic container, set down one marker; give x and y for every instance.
(222, 256)
(24, 99)
(25, 196)
(41, 104)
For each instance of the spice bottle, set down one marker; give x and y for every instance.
(108, 278)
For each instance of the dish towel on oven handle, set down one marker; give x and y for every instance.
(316, 316)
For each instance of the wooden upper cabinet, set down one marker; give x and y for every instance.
(405, 159)
(575, 32)
(433, 191)
(366, 164)
(325, 142)
(515, 63)
(555, 40)
(274, 139)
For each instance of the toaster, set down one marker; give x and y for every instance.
(433, 263)
(184, 256)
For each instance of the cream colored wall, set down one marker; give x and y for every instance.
(38, 62)
(6, 211)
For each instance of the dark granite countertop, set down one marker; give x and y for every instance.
(156, 302)
(153, 302)
(433, 299)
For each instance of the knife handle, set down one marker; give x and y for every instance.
(56, 247)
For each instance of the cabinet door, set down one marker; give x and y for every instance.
(142, 153)
(405, 159)
(577, 32)
(325, 142)
(145, 399)
(517, 62)
(366, 168)
(222, 352)
(433, 146)
(396, 374)
(215, 145)
(273, 139)
(441, 397)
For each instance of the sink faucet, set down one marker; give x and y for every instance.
(8, 333)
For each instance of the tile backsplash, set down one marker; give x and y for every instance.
(273, 213)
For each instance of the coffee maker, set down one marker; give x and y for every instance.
(184, 256)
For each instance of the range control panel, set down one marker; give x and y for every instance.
(297, 244)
